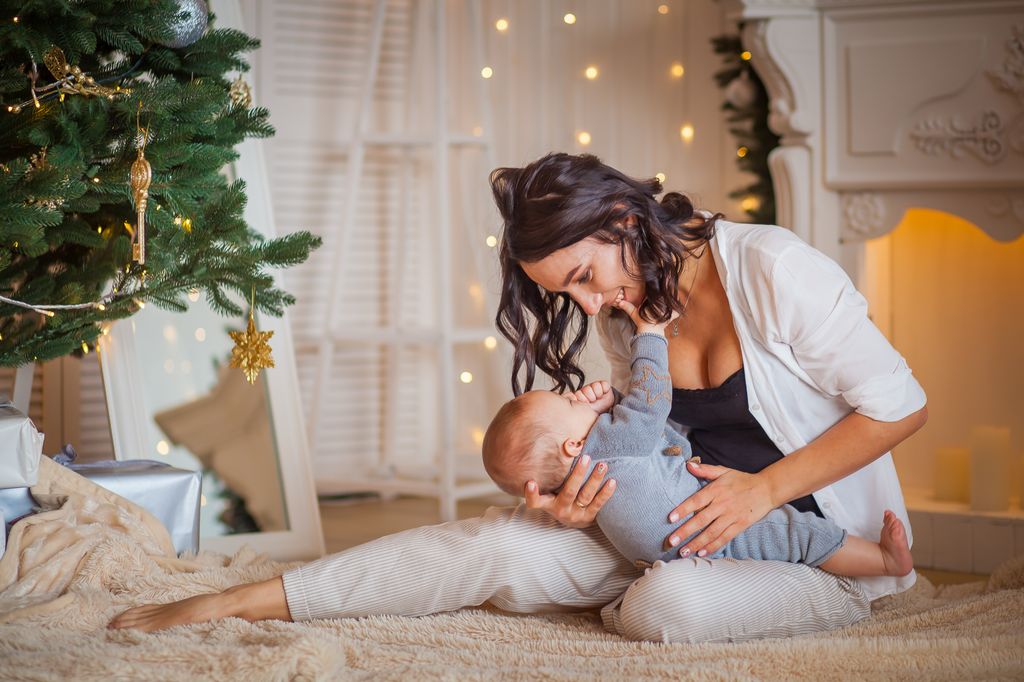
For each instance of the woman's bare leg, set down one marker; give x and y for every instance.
(255, 601)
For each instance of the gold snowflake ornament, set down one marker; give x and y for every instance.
(251, 352)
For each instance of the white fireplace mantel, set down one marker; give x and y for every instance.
(884, 106)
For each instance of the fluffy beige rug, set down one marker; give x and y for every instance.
(90, 557)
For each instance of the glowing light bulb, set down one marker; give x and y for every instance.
(487, 72)
(745, 55)
(686, 132)
(96, 181)
(662, 9)
(101, 307)
(676, 70)
(162, 447)
(661, 177)
(750, 204)
(492, 241)
(501, 24)
(85, 347)
(569, 18)
(490, 343)
(583, 138)
(466, 377)
(741, 152)
(591, 72)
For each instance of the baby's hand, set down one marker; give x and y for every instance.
(642, 325)
(597, 394)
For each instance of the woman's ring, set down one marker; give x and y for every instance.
(581, 506)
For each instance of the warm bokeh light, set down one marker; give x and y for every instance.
(476, 293)
(170, 334)
(583, 138)
(162, 447)
(492, 241)
(662, 9)
(490, 343)
(741, 152)
(478, 131)
(686, 132)
(193, 295)
(200, 334)
(750, 204)
(745, 55)
(591, 72)
(478, 436)
(466, 377)
(676, 70)
(487, 72)
(501, 24)
(569, 18)
(661, 177)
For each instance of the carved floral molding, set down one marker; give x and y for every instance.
(984, 140)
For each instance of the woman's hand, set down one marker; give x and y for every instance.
(573, 506)
(724, 508)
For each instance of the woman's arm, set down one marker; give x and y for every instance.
(739, 499)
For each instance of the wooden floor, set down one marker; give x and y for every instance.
(351, 522)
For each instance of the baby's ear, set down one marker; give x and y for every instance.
(571, 448)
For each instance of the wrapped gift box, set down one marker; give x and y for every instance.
(172, 495)
(20, 448)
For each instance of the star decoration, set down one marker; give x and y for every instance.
(645, 381)
(251, 352)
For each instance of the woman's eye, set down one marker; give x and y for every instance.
(585, 278)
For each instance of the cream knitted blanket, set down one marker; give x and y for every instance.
(69, 570)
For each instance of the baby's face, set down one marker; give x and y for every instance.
(567, 418)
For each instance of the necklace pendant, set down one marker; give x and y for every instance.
(675, 327)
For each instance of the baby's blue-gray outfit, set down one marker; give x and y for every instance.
(648, 461)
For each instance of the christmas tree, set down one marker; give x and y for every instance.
(87, 89)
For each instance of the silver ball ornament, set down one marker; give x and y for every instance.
(189, 24)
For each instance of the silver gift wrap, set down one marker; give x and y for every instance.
(168, 493)
(21, 446)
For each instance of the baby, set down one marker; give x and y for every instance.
(541, 435)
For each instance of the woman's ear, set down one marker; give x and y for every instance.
(571, 448)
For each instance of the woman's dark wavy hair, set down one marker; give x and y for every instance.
(557, 201)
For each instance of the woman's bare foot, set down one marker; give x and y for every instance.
(150, 617)
(895, 548)
(253, 601)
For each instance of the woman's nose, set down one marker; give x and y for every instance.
(591, 303)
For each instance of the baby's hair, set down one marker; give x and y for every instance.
(520, 446)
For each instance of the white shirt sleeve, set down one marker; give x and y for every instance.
(820, 314)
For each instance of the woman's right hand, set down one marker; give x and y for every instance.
(574, 506)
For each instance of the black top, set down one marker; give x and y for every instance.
(723, 432)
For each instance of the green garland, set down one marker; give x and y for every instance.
(750, 128)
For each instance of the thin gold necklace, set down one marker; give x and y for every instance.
(689, 295)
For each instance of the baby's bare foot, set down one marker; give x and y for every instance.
(895, 548)
(150, 617)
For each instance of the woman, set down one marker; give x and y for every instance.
(783, 383)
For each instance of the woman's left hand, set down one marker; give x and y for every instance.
(724, 508)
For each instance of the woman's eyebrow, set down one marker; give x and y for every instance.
(568, 278)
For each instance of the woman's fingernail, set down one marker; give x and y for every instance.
(685, 553)
(703, 552)
(600, 467)
(673, 541)
(673, 517)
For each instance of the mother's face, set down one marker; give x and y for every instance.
(590, 271)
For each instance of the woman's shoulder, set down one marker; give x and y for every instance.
(771, 241)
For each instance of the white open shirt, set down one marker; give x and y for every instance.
(811, 356)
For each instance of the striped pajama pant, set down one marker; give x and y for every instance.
(524, 561)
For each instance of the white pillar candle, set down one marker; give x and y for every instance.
(990, 468)
(952, 474)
